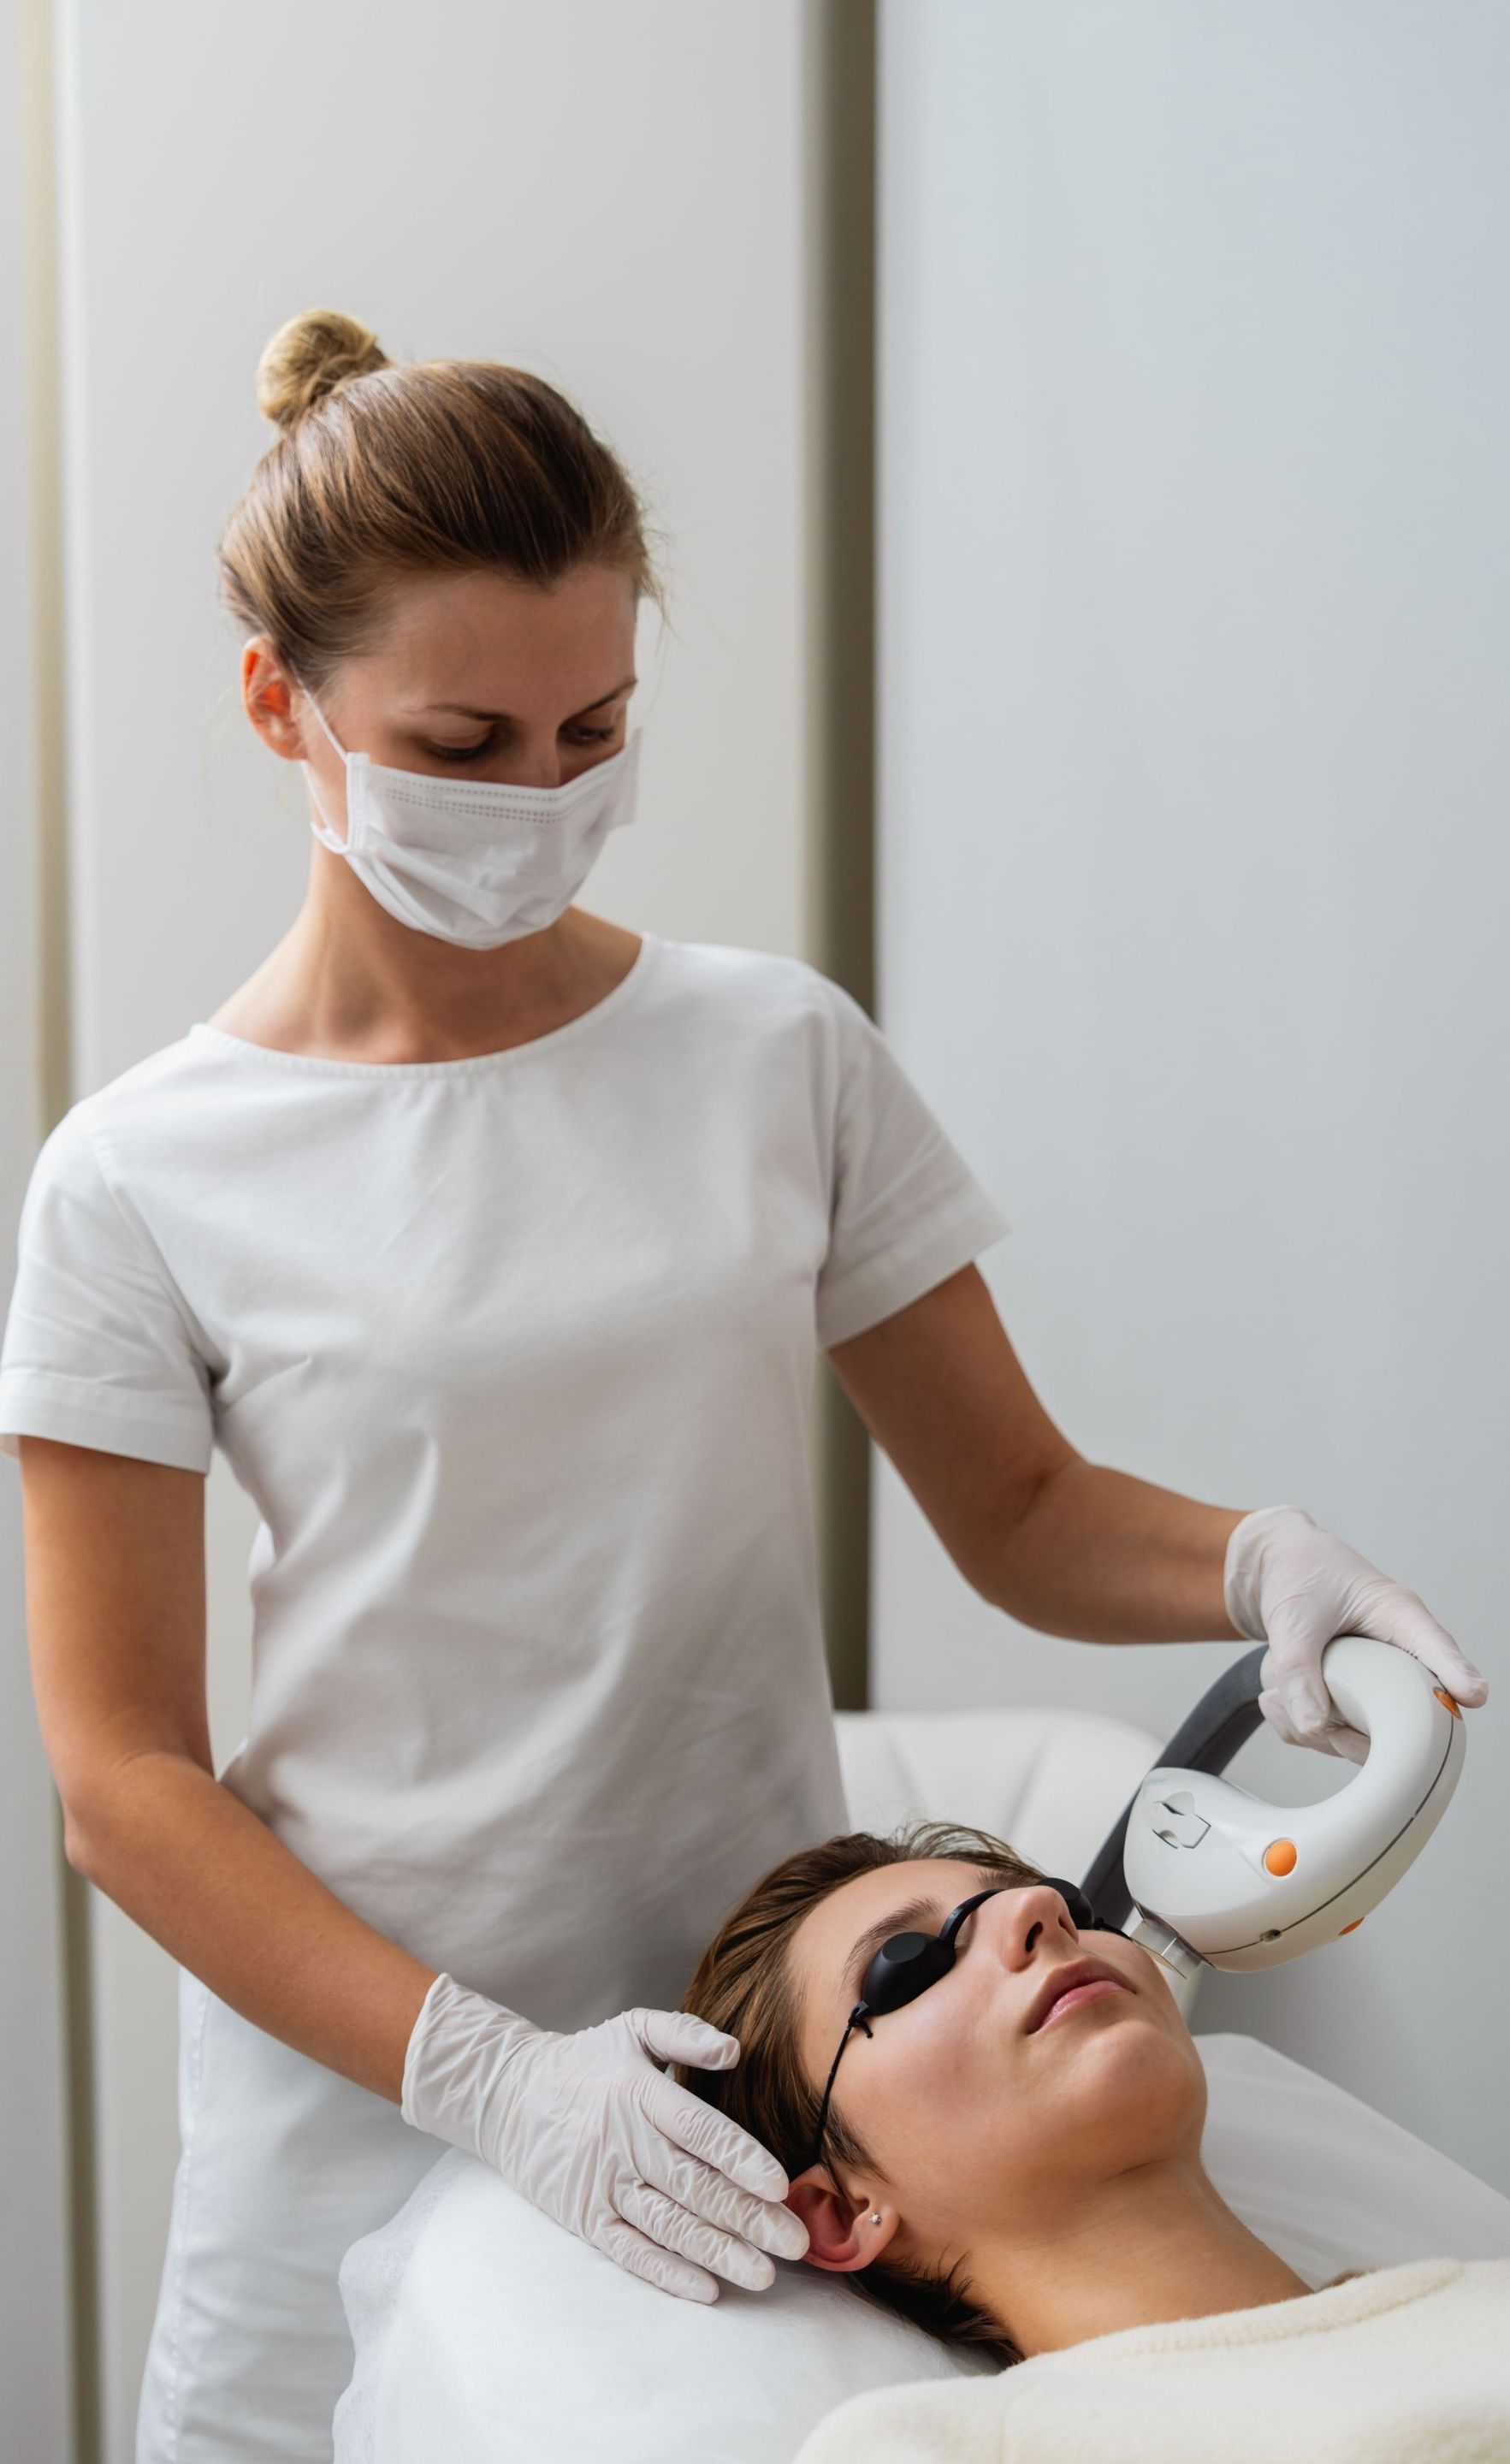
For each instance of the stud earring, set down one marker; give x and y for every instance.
(875, 2215)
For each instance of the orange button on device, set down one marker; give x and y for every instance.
(1279, 1855)
(1352, 1929)
(1442, 1695)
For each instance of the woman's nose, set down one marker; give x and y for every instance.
(1028, 1916)
(535, 766)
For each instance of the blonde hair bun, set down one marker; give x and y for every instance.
(310, 357)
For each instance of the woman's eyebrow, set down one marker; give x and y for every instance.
(464, 710)
(900, 1920)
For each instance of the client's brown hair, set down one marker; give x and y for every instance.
(744, 1984)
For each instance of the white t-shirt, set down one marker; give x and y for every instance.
(1400, 2365)
(515, 1357)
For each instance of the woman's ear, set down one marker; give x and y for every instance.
(846, 2231)
(267, 699)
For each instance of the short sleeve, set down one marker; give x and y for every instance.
(906, 1211)
(98, 1349)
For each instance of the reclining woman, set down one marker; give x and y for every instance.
(989, 2111)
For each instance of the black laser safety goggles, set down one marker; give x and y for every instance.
(907, 1963)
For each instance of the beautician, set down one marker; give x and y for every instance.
(495, 1243)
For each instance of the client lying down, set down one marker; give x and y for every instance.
(1009, 2154)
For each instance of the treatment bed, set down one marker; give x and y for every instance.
(486, 2335)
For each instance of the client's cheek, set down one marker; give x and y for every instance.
(924, 2112)
(1137, 2093)
(1145, 1974)
(890, 2094)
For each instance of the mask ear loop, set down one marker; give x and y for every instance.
(325, 828)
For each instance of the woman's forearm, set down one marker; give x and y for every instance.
(219, 1890)
(1103, 1558)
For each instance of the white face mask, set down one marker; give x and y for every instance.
(465, 859)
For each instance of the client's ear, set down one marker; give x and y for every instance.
(841, 2233)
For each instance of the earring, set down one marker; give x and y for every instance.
(875, 2215)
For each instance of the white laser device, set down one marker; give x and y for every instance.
(1200, 1870)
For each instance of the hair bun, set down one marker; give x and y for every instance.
(308, 358)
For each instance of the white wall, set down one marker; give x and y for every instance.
(34, 2275)
(612, 197)
(1194, 865)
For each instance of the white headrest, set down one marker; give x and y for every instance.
(1050, 1783)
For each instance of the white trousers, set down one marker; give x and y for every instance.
(282, 2165)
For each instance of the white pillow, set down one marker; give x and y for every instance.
(486, 2335)
(1326, 2180)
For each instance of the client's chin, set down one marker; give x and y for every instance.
(1119, 2076)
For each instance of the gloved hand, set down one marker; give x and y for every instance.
(591, 2130)
(1293, 1586)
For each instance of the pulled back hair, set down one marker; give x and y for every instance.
(744, 1984)
(436, 466)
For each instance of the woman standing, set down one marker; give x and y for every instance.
(494, 1244)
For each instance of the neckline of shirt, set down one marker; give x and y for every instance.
(1367, 2293)
(553, 1036)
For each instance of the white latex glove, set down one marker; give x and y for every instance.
(591, 2130)
(1294, 1586)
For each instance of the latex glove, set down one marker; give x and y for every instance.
(590, 2129)
(1294, 1586)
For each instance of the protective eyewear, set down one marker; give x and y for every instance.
(907, 1963)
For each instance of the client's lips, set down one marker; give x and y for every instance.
(1066, 1982)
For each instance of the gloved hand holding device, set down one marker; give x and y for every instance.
(593, 2132)
(1295, 1587)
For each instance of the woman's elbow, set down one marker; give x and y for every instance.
(78, 1846)
(91, 1818)
(102, 1814)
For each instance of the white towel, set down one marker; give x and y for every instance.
(1400, 2365)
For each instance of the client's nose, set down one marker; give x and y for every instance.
(1024, 1919)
